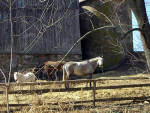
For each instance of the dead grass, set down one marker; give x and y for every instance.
(38, 103)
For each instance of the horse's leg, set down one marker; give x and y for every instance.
(42, 75)
(51, 76)
(89, 78)
(45, 75)
(48, 75)
(56, 76)
(65, 78)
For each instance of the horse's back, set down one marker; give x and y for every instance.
(51, 63)
(69, 65)
(79, 68)
(54, 63)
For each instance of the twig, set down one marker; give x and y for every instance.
(3, 75)
(91, 9)
(135, 29)
(41, 32)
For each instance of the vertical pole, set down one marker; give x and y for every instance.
(11, 53)
(12, 40)
(7, 99)
(94, 92)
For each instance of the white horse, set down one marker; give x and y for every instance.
(84, 68)
(28, 77)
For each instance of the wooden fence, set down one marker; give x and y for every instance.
(94, 88)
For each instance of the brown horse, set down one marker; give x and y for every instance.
(49, 68)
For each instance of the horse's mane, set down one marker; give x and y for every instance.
(94, 58)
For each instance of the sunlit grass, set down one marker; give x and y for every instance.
(39, 102)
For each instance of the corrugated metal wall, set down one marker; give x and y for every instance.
(49, 27)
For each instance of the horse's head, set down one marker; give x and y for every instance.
(100, 61)
(35, 70)
(17, 75)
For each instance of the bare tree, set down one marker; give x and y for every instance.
(138, 7)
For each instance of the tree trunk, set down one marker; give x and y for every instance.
(138, 7)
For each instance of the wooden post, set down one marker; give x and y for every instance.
(94, 92)
(7, 98)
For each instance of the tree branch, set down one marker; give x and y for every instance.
(77, 42)
(3, 75)
(135, 29)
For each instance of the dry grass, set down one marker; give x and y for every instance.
(38, 103)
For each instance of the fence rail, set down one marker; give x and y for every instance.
(74, 81)
(76, 89)
(94, 88)
(87, 101)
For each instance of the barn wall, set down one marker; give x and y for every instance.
(54, 42)
(55, 39)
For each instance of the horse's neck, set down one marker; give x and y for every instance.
(93, 62)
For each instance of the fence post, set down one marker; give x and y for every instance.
(94, 92)
(7, 98)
